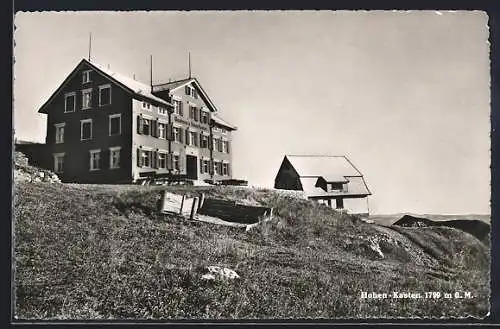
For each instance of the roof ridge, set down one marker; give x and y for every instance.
(315, 155)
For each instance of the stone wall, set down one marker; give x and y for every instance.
(26, 173)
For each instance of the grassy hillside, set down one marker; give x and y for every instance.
(102, 252)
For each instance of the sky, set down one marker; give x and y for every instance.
(405, 95)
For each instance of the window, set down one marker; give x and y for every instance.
(192, 139)
(85, 129)
(204, 141)
(218, 144)
(162, 160)
(146, 105)
(69, 102)
(86, 99)
(95, 160)
(336, 186)
(193, 113)
(204, 117)
(86, 76)
(225, 146)
(175, 162)
(59, 132)
(58, 163)
(225, 169)
(146, 158)
(115, 124)
(114, 157)
(162, 110)
(189, 90)
(218, 167)
(177, 134)
(178, 107)
(104, 95)
(205, 166)
(162, 130)
(146, 126)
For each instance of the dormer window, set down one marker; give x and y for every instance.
(336, 186)
(86, 76)
(189, 90)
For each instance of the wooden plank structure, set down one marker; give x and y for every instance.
(215, 211)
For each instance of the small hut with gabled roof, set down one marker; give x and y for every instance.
(332, 180)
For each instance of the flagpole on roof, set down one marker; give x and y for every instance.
(189, 62)
(90, 44)
(151, 71)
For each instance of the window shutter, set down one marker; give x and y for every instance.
(227, 149)
(181, 135)
(181, 110)
(211, 143)
(139, 125)
(187, 137)
(186, 90)
(181, 163)
(170, 132)
(170, 161)
(211, 166)
(139, 158)
(121, 159)
(155, 159)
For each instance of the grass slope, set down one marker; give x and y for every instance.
(102, 252)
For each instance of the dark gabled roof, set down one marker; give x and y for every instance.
(332, 169)
(128, 84)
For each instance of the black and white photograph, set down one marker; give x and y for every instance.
(251, 165)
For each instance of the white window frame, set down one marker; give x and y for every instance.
(192, 138)
(164, 154)
(177, 137)
(84, 92)
(113, 116)
(71, 94)
(206, 166)
(86, 76)
(225, 166)
(113, 150)
(225, 146)
(162, 110)
(164, 124)
(81, 129)
(58, 156)
(107, 86)
(205, 138)
(58, 127)
(148, 152)
(91, 164)
(149, 124)
(177, 105)
(175, 161)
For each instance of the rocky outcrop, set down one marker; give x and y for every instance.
(219, 273)
(26, 173)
